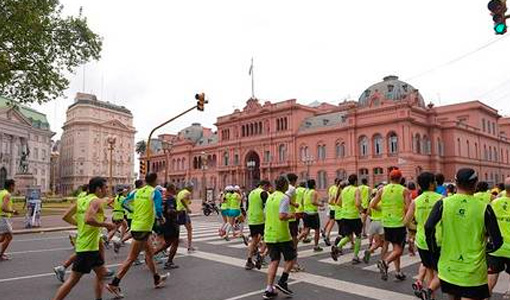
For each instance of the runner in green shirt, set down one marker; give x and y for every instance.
(311, 217)
(118, 216)
(483, 193)
(469, 230)
(256, 204)
(332, 196)
(6, 212)
(365, 191)
(89, 216)
(395, 200)
(418, 212)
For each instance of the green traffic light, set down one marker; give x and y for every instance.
(500, 28)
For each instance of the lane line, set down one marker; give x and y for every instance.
(405, 261)
(310, 253)
(41, 251)
(40, 239)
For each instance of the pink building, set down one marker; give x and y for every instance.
(389, 126)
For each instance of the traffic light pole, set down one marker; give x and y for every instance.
(158, 127)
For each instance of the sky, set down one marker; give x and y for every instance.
(158, 54)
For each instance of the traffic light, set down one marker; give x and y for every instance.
(201, 101)
(143, 169)
(498, 10)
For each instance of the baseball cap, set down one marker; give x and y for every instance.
(395, 174)
(466, 175)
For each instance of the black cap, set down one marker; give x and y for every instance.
(466, 176)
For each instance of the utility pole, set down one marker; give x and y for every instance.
(111, 140)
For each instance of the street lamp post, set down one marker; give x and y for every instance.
(250, 165)
(111, 140)
(204, 167)
(167, 147)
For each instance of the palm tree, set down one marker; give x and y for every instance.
(141, 146)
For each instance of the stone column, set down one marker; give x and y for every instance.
(14, 155)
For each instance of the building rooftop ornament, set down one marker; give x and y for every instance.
(391, 88)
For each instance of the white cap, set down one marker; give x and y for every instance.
(237, 188)
(229, 188)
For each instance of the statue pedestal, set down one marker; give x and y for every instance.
(23, 182)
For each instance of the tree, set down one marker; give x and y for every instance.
(141, 146)
(38, 46)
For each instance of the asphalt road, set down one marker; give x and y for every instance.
(215, 271)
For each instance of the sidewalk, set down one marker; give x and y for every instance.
(55, 222)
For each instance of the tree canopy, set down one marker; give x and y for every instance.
(39, 47)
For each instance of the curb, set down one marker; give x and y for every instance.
(55, 229)
(43, 230)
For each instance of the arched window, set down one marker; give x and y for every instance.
(285, 123)
(243, 131)
(378, 171)
(485, 154)
(251, 129)
(490, 153)
(225, 158)
(321, 152)
(426, 145)
(363, 146)
(476, 150)
(260, 127)
(417, 143)
(183, 164)
(322, 178)
(363, 173)
(195, 163)
(282, 153)
(340, 149)
(173, 164)
(341, 174)
(278, 124)
(459, 148)
(178, 164)
(378, 144)
(393, 143)
(468, 150)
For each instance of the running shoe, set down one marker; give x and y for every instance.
(334, 253)
(417, 289)
(5, 257)
(323, 233)
(116, 246)
(383, 268)
(191, 250)
(249, 265)
(307, 241)
(60, 272)
(356, 260)
(245, 240)
(400, 276)
(317, 249)
(269, 295)
(138, 262)
(115, 290)
(366, 257)
(170, 266)
(426, 294)
(327, 241)
(161, 282)
(284, 288)
(109, 273)
(258, 261)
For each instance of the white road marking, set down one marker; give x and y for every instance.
(41, 250)
(405, 261)
(41, 239)
(310, 252)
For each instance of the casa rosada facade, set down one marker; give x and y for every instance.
(389, 126)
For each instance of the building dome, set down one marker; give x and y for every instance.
(391, 88)
(193, 132)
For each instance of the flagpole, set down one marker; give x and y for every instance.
(252, 81)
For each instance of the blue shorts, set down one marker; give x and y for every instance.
(233, 213)
(224, 212)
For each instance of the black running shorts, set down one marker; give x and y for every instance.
(428, 259)
(349, 227)
(331, 214)
(285, 248)
(257, 230)
(312, 221)
(87, 261)
(395, 235)
(498, 264)
(140, 236)
(472, 292)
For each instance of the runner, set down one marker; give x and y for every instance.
(483, 193)
(395, 199)
(441, 189)
(365, 202)
(499, 260)
(300, 192)
(118, 217)
(127, 204)
(293, 223)
(183, 212)
(466, 223)
(169, 230)
(256, 203)
(6, 212)
(146, 206)
(326, 232)
(90, 218)
(224, 210)
(311, 216)
(234, 211)
(350, 224)
(375, 231)
(419, 211)
(278, 239)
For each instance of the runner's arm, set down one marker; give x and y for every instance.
(358, 199)
(430, 226)
(409, 215)
(264, 195)
(184, 202)
(284, 211)
(92, 211)
(126, 202)
(491, 226)
(315, 201)
(407, 199)
(5, 205)
(376, 200)
(69, 215)
(158, 204)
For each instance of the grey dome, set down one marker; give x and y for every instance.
(391, 88)
(193, 132)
